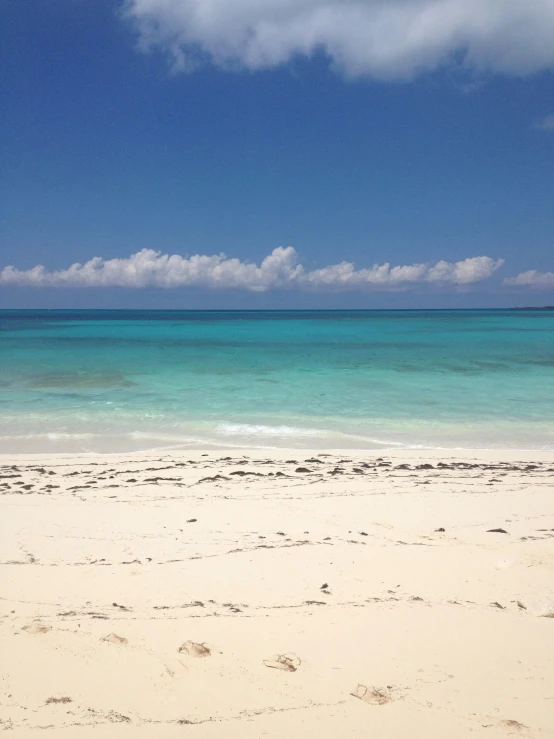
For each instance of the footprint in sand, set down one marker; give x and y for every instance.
(374, 696)
(192, 649)
(36, 628)
(115, 639)
(283, 662)
(511, 723)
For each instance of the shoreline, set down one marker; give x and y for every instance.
(241, 437)
(279, 453)
(277, 592)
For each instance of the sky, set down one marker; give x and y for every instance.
(277, 153)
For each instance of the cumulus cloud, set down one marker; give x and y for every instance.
(387, 39)
(279, 270)
(546, 123)
(533, 279)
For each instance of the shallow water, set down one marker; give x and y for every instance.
(125, 380)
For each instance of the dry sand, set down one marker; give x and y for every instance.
(281, 594)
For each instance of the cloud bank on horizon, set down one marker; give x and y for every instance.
(384, 39)
(532, 279)
(278, 271)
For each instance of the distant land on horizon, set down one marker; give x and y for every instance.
(273, 310)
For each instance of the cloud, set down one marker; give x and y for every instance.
(385, 39)
(278, 271)
(545, 124)
(533, 279)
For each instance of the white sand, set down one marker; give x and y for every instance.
(419, 634)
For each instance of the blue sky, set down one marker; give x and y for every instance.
(129, 128)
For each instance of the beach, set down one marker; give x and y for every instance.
(277, 370)
(269, 593)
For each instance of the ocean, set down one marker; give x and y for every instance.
(114, 381)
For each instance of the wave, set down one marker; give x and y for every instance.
(247, 429)
(48, 436)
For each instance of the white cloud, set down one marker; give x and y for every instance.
(279, 270)
(387, 39)
(533, 279)
(546, 123)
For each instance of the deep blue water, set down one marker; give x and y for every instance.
(121, 380)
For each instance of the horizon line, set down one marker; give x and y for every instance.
(269, 310)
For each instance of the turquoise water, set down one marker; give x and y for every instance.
(104, 381)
